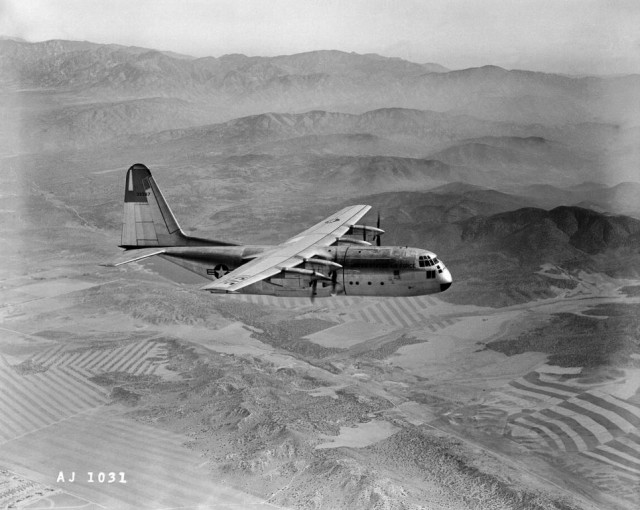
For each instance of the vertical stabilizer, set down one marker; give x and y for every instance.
(148, 220)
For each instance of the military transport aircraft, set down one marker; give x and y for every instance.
(332, 257)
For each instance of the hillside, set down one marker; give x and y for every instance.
(449, 203)
(317, 80)
(480, 152)
(621, 198)
(86, 125)
(534, 231)
(516, 159)
(618, 199)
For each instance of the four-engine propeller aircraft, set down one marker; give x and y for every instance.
(327, 259)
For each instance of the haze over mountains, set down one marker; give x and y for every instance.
(430, 147)
(327, 79)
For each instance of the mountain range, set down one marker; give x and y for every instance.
(328, 80)
(556, 128)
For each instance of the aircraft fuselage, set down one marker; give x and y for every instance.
(366, 270)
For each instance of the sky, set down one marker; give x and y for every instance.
(566, 36)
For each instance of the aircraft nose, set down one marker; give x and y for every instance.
(445, 279)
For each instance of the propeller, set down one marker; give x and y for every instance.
(378, 226)
(334, 281)
(314, 289)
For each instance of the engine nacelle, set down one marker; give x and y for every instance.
(359, 229)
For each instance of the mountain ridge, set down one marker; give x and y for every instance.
(324, 79)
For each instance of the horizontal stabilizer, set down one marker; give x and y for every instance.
(132, 256)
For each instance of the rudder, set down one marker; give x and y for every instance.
(148, 220)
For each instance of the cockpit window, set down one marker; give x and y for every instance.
(427, 261)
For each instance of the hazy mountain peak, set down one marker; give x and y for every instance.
(231, 57)
(482, 70)
(435, 68)
(9, 38)
(457, 187)
(490, 67)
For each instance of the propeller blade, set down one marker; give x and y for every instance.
(314, 287)
(334, 282)
(378, 226)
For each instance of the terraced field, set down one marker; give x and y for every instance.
(34, 401)
(137, 358)
(56, 384)
(400, 312)
(592, 423)
(576, 418)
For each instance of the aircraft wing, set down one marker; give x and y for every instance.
(292, 252)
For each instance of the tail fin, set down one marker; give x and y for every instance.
(148, 220)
